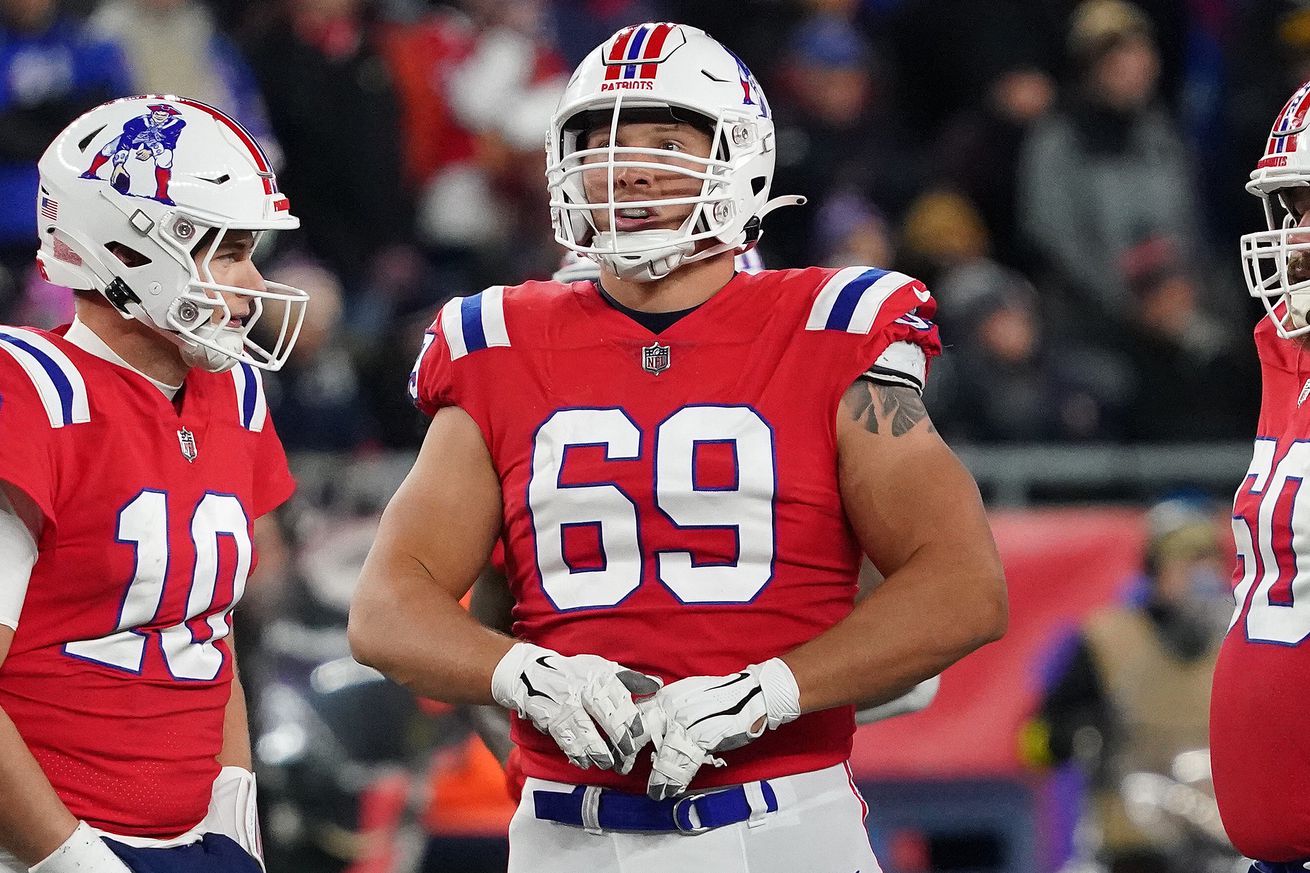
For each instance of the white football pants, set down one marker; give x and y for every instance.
(818, 828)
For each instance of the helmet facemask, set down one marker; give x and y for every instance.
(672, 73)
(1270, 257)
(201, 318)
(716, 205)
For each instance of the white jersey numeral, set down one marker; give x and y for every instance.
(188, 647)
(555, 507)
(747, 505)
(1273, 549)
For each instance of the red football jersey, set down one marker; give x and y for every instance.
(119, 672)
(671, 500)
(1260, 709)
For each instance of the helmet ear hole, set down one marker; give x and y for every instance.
(130, 257)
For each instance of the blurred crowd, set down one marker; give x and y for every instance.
(1066, 176)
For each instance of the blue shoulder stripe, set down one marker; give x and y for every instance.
(843, 308)
(471, 324)
(252, 405)
(58, 382)
(851, 299)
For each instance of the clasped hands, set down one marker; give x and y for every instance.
(602, 714)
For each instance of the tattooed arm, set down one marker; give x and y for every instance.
(918, 516)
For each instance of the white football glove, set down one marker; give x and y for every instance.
(82, 852)
(584, 702)
(915, 699)
(233, 811)
(695, 717)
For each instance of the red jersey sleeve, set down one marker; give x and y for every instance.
(26, 437)
(274, 485)
(906, 316)
(273, 482)
(450, 369)
(430, 382)
(855, 314)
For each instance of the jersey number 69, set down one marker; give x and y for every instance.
(746, 506)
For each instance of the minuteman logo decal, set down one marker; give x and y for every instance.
(149, 139)
(633, 59)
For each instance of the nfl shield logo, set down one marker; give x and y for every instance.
(187, 441)
(655, 358)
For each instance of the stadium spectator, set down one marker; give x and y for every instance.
(978, 150)
(1136, 691)
(51, 70)
(318, 393)
(850, 230)
(334, 109)
(942, 230)
(1005, 381)
(837, 131)
(1105, 171)
(1183, 359)
(491, 86)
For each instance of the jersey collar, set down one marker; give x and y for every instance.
(88, 341)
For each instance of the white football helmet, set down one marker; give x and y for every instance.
(151, 176)
(1265, 254)
(682, 71)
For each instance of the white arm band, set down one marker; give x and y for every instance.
(901, 364)
(83, 852)
(915, 699)
(17, 558)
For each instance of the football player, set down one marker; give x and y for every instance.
(136, 454)
(1258, 716)
(685, 464)
(490, 601)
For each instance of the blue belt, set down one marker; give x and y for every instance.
(1270, 867)
(620, 811)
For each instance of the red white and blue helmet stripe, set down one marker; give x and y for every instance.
(262, 163)
(1290, 123)
(637, 48)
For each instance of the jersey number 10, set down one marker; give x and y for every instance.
(1273, 548)
(188, 646)
(746, 506)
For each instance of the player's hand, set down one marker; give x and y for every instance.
(696, 717)
(82, 852)
(584, 702)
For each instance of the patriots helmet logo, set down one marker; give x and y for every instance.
(149, 138)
